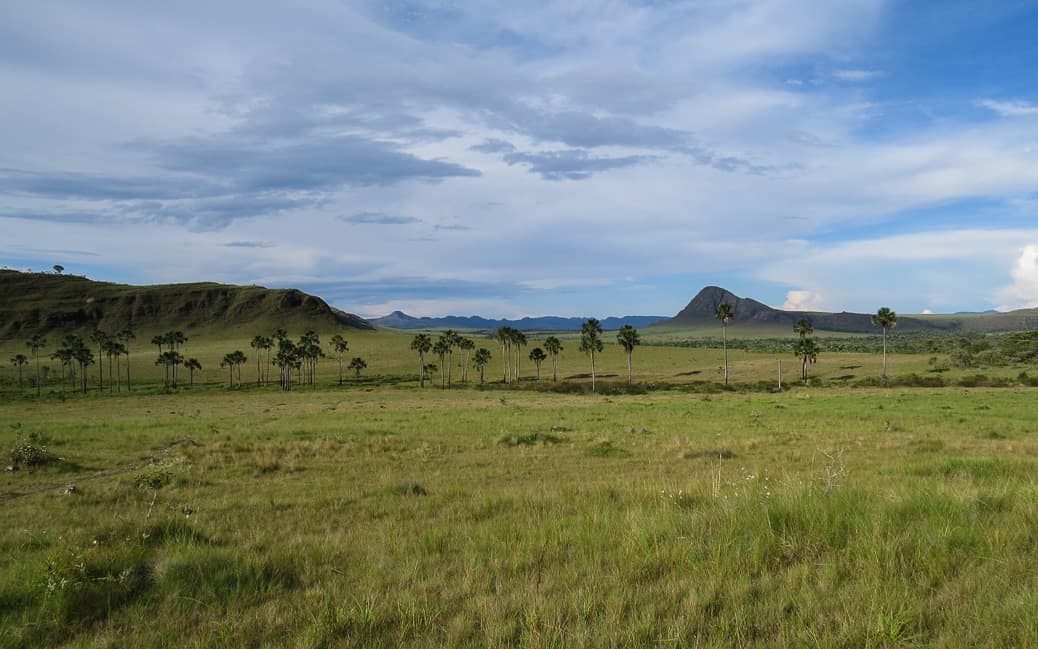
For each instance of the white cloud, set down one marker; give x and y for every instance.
(804, 301)
(927, 311)
(1015, 108)
(1023, 292)
(857, 74)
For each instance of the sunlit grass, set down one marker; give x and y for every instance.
(396, 517)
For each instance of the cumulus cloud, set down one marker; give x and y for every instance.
(804, 301)
(1023, 292)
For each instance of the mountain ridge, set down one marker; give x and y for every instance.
(400, 320)
(43, 302)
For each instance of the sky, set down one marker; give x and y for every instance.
(576, 158)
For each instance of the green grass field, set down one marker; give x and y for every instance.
(381, 515)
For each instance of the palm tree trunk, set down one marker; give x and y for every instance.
(554, 368)
(724, 343)
(628, 368)
(884, 354)
(421, 369)
(592, 371)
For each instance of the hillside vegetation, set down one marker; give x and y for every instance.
(42, 302)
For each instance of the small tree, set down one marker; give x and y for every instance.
(125, 335)
(441, 348)
(591, 343)
(886, 319)
(803, 327)
(465, 345)
(481, 359)
(357, 364)
(629, 339)
(538, 356)
(725, 313)
(58, 269)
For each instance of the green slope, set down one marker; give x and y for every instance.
(43, 303)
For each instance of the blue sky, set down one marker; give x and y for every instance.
(572, 158)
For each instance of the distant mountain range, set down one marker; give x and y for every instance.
(700, 311)
(400, 320)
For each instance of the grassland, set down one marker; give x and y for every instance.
(382, 515)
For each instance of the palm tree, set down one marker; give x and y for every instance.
(170, 360)
(18, 360)
(554, 346)
(725, 313)
(504, 336)
(99, 338)
(83, 357)
(807, 351)
(125, 335)
(112, 349)
(628, 338)
(452, 338)
(257, 343)
(36, 343)
(441, 348)
(481, 359)
(357, 364)
(886, 319)
(192, 364)
(286, 359)
(537, 355)
(228, 362)
(158, 341)
(421, 343)
(803, 328)
(591, 342)
(310, 349)
(519, 340)
(64, 355)
(341, 346)
(465, 345)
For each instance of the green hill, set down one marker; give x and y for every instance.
(44, 302)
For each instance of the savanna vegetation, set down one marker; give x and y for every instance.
(179, 494)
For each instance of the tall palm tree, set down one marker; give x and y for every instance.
(36, 343)
(807, 351)
(554, 346)
(192, 364)
(465, 345)
(886, 319)
(422, 344)
(64, 356)
(725, 313)
(591, 343)
(504, 336)
(537, 355)
(99, 338)
(341, 346)
(357, 364)
(441, 348)
(803, 328)
(125, 335)
(257, 344)
(481, 359)
(18, 360)
(519, 340)
(228, 361)
(452, 338)
(628, 338)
